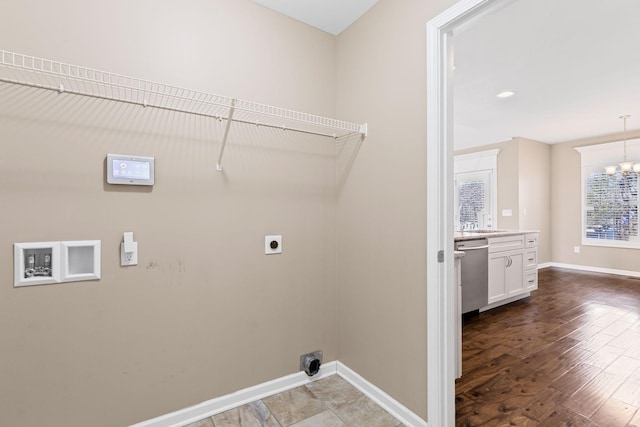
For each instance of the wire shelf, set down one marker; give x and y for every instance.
(67, 78)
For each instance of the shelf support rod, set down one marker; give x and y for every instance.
(364, 130)
(226, 134)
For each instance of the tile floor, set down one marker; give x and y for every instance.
(329, 402)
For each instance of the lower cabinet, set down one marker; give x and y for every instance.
(513, 273)
(513, 268)
(531, 262)
(506, 276)
(531, 280)
(513, 263)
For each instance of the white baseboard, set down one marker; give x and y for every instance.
(260, 391)
(399, 411)
(545, 265)
(239, 398)
(595, 269)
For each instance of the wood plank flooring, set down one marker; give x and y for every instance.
(569, 355)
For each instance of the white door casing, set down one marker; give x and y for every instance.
(440, 279)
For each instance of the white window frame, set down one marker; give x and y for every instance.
(481, 161)
(601, 155)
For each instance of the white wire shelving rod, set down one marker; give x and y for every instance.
(43, 73)
(226, 135)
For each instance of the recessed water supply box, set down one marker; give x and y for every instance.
(43, 263)
(36, 263)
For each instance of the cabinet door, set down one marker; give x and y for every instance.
(497, 288)
(514, 273)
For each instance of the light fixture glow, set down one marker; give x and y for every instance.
(610, 170)
(625, 166)
(505, 94)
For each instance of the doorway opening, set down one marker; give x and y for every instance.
(440, 206)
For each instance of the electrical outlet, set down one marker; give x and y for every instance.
(129, 258)
(576, 249)
(273, 244)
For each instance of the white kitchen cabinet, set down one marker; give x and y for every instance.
(506, 276)
(531, 240)
(513, 272)
(512, 267)
(497, 280)
(506, 267)
(531, 280)
(530, 258)
(531, 262)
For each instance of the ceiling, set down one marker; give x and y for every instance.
(574, 66)
(332, 16)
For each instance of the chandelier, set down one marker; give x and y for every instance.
(625, 166)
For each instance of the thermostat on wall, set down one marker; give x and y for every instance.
(130, 170)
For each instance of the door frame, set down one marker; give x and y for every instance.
(440, 283)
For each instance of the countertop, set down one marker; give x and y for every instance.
(474, 235)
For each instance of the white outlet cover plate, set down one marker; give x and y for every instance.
(130, 258)
(267, 244)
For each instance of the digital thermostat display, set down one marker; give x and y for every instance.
(130, 170)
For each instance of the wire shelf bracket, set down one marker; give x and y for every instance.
(65, 78)
(223, 144)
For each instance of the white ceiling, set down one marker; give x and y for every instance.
(332, 16)
(574, 65)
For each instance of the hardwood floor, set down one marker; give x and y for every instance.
(569, 355)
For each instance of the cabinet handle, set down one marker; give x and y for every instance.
(508, 261)
(530, 259)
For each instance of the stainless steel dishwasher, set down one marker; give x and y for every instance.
(474, 273)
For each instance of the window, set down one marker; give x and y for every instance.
(609, 203)
(611, 206)
(475, 189)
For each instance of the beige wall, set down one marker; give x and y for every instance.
(524, 187)
(508, 179)
(567, 215)
(534, 192)
(382, 208)
(205, 312)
